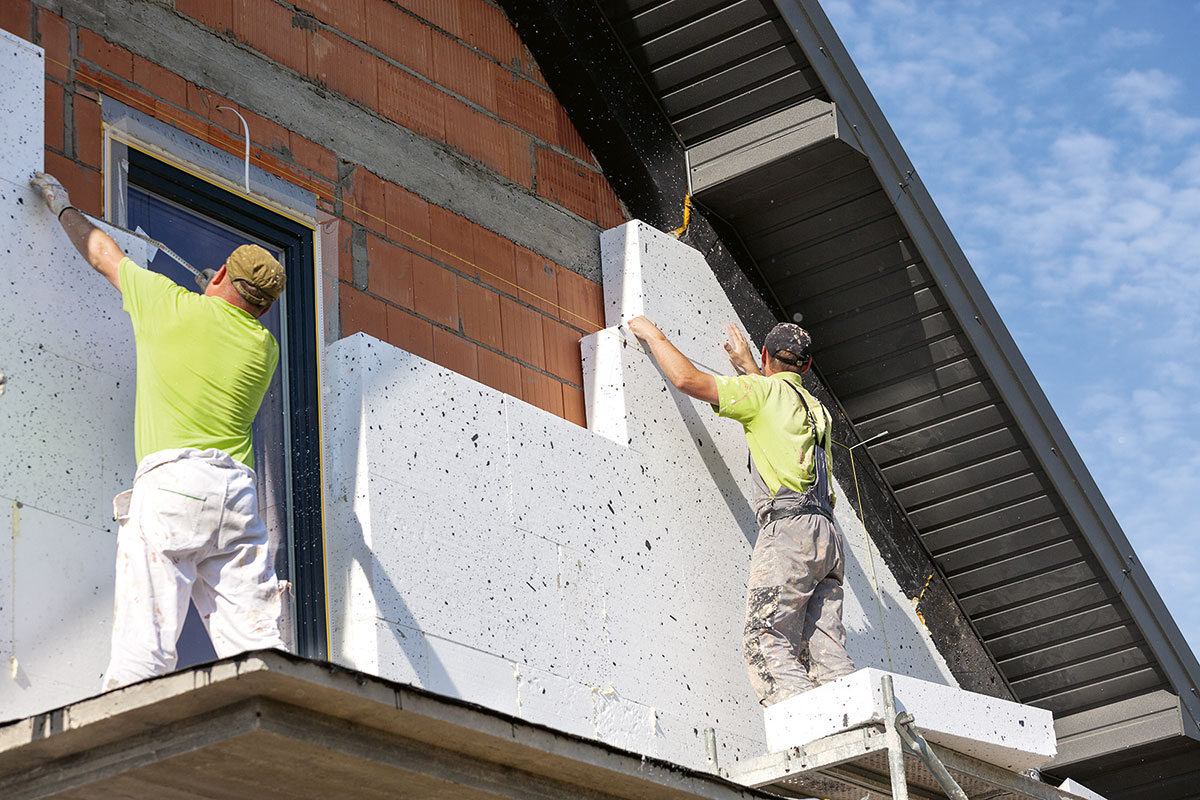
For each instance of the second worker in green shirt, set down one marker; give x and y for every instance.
(794, 637)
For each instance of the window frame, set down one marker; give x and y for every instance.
(299, 241)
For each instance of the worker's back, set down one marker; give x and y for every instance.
(203, 367)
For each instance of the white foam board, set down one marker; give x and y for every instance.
(635, 534)
(1079, 790)
(67, 436)
(63, 597)
(1010, 735)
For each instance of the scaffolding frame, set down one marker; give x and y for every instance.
(888, 761)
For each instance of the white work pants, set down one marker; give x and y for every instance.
(190, 530)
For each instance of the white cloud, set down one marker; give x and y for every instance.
(1146, 94)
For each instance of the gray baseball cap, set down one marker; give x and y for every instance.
(789, 343)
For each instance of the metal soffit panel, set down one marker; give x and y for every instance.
(713, 65)
(827, 239)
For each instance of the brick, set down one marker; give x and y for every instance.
(410, 333)
(435, 294)
(411, 102)
(362, 312)
(526, 105)
(534, 72)
(489, 141)
(216, 14)
(407, 218)
(362, 200)
(55, 128)
(479, 312)
(453, 239)
(567, 137)
(495, 260)
(574, 408)
(390, 272)
(313, 157)
(456, 353)
(465, 72)
(609, 213)
(267, 135)
(581, 301)
(348, 16)
(55, 37)
(499, 372)
(541, 391)
(398, 35)
(522, 333)
(200, 102)
(562, 351)
(566, 182)
(273, 31)
(485, 27)
(344, 67)
(159, 82)
(16, 17)
(85, 186)
(441, 13)
(536, 279)
(89, 138)
(345, 241)
(105, 55)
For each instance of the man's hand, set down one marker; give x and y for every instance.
(739, 352)
(644, 329)
(53, 192)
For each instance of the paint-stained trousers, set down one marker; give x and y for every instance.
(794, 601)
(190, 530)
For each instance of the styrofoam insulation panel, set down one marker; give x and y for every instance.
(1079, 790)
(605, 565)
(66, 348)
(1001, 732)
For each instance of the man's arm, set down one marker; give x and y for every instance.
(681, 372)
(96, 246)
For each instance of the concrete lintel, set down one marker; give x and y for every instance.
(215, 62)
(274, 716)
(767, 141)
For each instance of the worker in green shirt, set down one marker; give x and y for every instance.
(794, 594)
(190, 528)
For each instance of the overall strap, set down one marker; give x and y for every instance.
(811, 421)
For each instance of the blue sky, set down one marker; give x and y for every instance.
(1061, 141)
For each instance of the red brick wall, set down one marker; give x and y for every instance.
(454, 71)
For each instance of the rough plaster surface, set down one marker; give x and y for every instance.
(590, 580)
(66, 424)
(1011, 735)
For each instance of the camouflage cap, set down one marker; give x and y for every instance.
(789, 343)
(256, 275)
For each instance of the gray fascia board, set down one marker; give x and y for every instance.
(767, 141)
(995, 347)
(1152, 717)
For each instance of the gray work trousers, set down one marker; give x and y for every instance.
(794, 602)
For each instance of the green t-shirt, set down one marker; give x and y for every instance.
(203, 367)
(777, 429)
